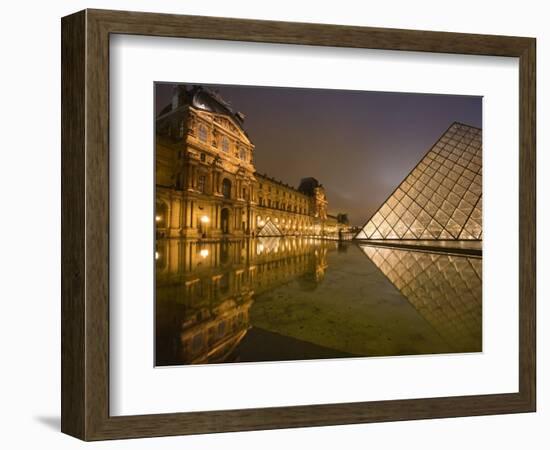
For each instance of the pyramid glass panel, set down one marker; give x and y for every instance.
(441, 196)
(270, 229)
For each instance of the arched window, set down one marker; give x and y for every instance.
(203, 133)
(226, 188)
(225, 144)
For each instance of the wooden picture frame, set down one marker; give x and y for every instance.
(85, 224)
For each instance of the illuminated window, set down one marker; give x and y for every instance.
(225, 144)
(201, 183)
(203, 133)
(226, 188)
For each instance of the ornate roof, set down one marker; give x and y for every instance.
(209, 100)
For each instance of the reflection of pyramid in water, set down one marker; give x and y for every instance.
(444, 289)
(270, 229)
(440, 198)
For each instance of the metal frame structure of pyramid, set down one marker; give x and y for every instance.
(269, 229)
(441, 198)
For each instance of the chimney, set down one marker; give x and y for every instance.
(175, 98)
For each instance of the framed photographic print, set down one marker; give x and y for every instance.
(271, 224)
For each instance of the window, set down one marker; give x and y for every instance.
(226, 188)
(203, 157)
(242, 154)
(202, 183)
(225, 144)
(203, 133)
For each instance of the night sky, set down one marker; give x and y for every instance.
(359, 145)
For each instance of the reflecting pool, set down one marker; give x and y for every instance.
(277, 299)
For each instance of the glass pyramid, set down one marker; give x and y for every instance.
(441, 196)
(445, 289)
(270, 229)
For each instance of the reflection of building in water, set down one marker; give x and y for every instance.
(207, 185)
(445, 290)
(440, 198)
(204, 290)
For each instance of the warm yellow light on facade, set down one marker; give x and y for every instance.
(157, 256)
(204, 252)
(205, 219)
(158, 218)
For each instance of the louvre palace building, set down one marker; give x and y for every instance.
(207, 186)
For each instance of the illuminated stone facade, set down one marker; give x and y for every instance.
(207, 186)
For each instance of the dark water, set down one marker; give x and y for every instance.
(275, 299)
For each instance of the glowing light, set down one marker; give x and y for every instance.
(157, 256)
(204, 252)
(158, 218)
(205, 219)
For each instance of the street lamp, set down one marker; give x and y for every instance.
(204, 221)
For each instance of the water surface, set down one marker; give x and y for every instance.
(276, 299)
